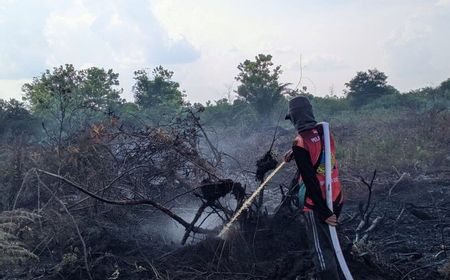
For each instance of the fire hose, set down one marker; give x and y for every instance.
(249, 200)
(329, 199)
(329, 194)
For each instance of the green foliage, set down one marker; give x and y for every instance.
(53, 92)
(407, 138)
(368, 86)
(223, 113)
(99, 89)
(15, 119)
(66, 88)
(259, 85)
(327, 107)
(157, 94)
(217, 113)
(406, 130)
(68, 99)
(445, 86)
(129, 113)
(418, 100)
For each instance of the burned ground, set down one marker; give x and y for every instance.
(118, 204)
(411, 242)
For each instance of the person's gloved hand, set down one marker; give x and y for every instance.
(332, 220)
(288, 156)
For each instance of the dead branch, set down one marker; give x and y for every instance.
(191, 226)
(369, 187)
(211, 146)
(110, 184)
(152, 203)
(418, 268)
(400, 214)
(375, 224)
(397, 182)
(365, 227)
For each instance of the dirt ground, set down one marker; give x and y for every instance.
(411, 242)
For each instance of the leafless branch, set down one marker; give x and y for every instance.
(152, 203)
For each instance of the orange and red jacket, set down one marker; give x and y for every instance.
(309, 155)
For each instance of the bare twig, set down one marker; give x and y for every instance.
(418, 268)
(369, 187)
(397, 182)
(211, 146)
(364, 227)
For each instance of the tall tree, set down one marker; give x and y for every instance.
(259, 85)
(157, 93)
(368, 86)
(66, 87)
(67, 99)
(99, 89)
(15, 119)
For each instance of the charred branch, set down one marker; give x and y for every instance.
(152, 203)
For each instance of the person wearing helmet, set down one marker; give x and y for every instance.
(308, 153)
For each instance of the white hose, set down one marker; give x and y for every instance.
(329, 192)
(249, 201)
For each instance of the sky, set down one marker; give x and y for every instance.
(202, 41)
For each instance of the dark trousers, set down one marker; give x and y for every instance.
(323, 252)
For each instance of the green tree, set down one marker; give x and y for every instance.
(65, 88)
(219, 113)
(444, 91)
(99, 89)
(157, 93)
(445, 85)
(368, 86)
(259, 85)
(68, 99)
(15, 119)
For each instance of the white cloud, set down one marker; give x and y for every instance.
(22, 50)
(324, 63)
(203, 41)
(443, 3)
(417, 51)
(123, 35)
(11, 89)
(335, 40)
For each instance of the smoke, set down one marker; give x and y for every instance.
(171, 232)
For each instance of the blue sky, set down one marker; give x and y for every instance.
(203, 41)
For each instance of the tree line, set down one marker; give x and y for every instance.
(64, 100)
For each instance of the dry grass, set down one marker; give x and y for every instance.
(12, 225)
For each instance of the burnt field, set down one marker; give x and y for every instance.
(125, 197)
(106, 222)
(224, 140)
(405, 238)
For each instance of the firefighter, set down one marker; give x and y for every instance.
(308, 153)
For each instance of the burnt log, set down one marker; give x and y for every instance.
(212, 191)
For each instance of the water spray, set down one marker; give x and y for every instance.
(249, 201)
